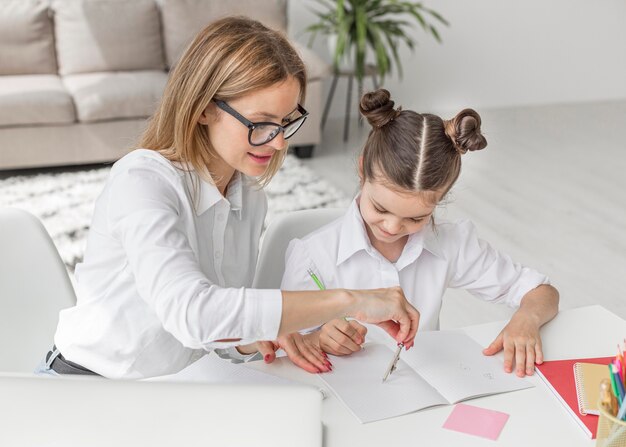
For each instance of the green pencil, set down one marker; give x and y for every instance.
(614, 385)
(317, 281)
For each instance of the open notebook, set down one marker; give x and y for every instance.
(444, 367)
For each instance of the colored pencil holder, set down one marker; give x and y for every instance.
(611, 431)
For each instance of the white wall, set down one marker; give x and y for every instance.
(500, 53)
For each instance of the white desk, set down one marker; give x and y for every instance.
(536, 417)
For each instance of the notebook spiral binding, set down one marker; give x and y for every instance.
(583, 405)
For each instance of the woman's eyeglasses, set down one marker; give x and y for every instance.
(264, 132)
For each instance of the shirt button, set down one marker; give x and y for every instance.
(218, 254)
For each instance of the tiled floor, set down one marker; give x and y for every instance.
(550, 190)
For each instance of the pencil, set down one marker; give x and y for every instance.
(316, 280)
(619, 385)
(622, 371)
(614, 385)
(319, 284)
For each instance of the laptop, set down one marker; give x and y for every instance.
(38, 411)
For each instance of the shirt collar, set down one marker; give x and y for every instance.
(431, 240)
(209, 195)
(234, 194)
(354, 238)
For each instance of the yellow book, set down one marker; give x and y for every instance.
(588, 377)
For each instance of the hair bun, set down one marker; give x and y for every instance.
(377, 107)
(464, 131)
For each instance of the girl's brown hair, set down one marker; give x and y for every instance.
(416, 152)
(230, 58)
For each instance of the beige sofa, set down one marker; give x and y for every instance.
(78, 78)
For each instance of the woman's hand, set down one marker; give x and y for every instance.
(341, 337)
(266, 348)
(304, 351)
(389, 309)
(520, 338)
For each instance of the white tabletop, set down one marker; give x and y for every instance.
(536, 417)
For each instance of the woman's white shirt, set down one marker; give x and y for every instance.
(446, 255)
(166, 271)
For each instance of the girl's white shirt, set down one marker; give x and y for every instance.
(164, 278)
(450, 254)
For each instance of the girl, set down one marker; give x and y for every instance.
(389, 237)
(174, 238)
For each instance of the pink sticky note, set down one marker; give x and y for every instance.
(476, 421)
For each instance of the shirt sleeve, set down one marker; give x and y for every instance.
(296, 276)
(144, 214)
(488, 274)
(237, 357)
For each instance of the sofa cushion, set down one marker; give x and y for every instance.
(104, 96)
(107, 35)
(183, 19)
(316, 67)
(26, 39)
(34, 99)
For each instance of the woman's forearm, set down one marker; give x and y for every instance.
(302, 309)
(387, 307)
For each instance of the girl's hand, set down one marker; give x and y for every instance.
(341, 337)
(521, 341)
(520, 338)
(304, 351)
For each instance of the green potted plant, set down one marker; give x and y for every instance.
(377, 26)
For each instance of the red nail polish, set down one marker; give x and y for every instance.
(267, 358)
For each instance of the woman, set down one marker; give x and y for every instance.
(174, 238)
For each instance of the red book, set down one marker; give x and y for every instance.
(558, 375)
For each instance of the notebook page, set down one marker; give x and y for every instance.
(454, 364)
(357, 381)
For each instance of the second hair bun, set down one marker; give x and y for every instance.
(464, 131)
(377, 107)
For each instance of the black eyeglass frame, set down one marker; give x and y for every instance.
(251, 126)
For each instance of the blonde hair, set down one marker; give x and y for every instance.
(230, 58)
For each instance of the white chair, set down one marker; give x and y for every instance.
(34, 286)
(279, 233)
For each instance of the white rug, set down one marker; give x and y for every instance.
(64, 200)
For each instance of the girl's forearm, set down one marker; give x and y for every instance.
(541, 304)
